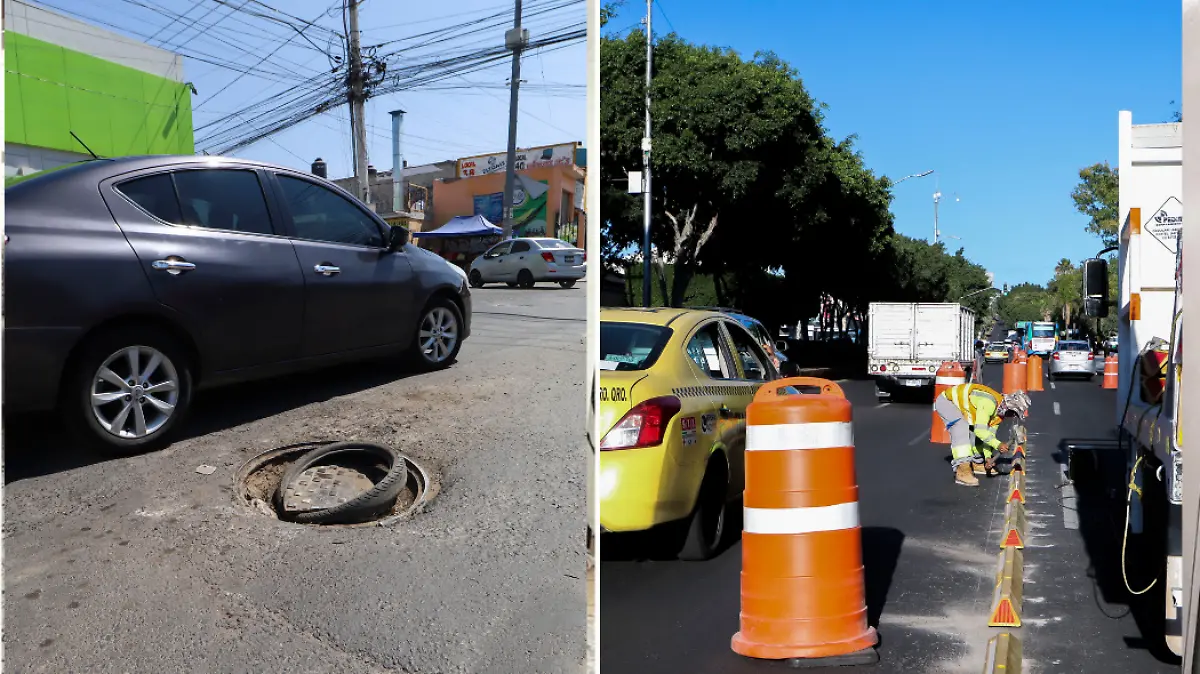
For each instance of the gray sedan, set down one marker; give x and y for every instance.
(134, 282)
(523, 262)
(1072, 358)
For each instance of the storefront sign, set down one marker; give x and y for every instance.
(538, 157)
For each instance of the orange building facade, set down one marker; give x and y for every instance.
(548, 201)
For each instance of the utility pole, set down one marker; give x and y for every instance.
(937, 196)
(357, 96)
(646, 162)
(515, 40)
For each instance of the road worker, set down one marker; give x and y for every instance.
(974, 407)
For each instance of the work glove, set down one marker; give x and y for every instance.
(1003, 448)
(989, 463)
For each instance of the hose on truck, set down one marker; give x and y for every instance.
(1141, 455)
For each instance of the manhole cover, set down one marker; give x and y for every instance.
(341, 478)
(324, 487)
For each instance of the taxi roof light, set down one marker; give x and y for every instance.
(643, 426)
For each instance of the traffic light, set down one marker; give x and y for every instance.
(1006, 288)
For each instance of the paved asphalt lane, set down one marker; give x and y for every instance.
(930, 552)
(143, 565)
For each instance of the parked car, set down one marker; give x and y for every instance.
(524, 262)
(134, 282)
(1073, 357)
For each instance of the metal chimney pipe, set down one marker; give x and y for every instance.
(398, 200)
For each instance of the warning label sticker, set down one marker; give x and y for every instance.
(1166, 223)
(688, 424)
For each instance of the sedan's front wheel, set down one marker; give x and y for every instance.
(476, 278)
(129, 389)
(439, 335)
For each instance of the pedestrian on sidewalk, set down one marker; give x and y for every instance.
(971, 412)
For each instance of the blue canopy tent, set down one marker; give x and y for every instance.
(462, 239)
(463, 225)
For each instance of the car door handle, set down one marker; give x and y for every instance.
(173, 265)
(327, 269)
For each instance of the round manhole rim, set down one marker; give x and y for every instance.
(426, 486)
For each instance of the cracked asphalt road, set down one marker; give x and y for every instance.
(141, 564)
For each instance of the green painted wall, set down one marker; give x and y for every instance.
(50, 91)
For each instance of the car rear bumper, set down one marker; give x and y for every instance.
(33, 362)
(641, 488)
(1072, 368)
(563, 273)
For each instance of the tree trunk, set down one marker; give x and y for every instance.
(679, 284)
(661, 265)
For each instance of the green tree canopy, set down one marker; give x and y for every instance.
(1096, 197)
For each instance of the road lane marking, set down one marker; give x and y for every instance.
(1057, 410)
(917, 439)
(1051, 386)
(1070, 513)
(882, 405)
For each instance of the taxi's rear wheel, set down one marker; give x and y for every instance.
(707, 528)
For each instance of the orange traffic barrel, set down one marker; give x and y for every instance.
(1111, 373)
(949, 374)
(1015, 376)
(803, 589)
(1033, 374)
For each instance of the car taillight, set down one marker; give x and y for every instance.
(1091, 356)
(548, 257)
(1056, 356)
(643, 426)
(585, 256)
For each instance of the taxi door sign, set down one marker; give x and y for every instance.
(688, 426)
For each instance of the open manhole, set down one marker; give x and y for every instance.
(335, 484)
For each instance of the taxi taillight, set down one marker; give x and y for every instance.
(643, 426)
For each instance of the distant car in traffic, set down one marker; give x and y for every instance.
(132, 283)
(524, 262)
(674, 387)
(996, 352)
(1075, 358)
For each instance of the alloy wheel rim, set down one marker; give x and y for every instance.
(135, 392)
(438, 334)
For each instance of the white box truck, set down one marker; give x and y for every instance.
(1150, 328)
(908, 341)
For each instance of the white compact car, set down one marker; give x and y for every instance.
(524, 262)
(1072, 358)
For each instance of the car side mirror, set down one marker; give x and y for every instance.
(397, 238)
(1095, 288)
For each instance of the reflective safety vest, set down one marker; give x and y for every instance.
(963, 396)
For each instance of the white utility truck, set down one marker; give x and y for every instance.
(1149, 348)
(909, 341)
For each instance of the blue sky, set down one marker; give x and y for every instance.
(1005, 101)
(440, 123)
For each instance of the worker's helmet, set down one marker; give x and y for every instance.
(1018, 403)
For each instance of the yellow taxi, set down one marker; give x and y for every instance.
(996, 352)
(673, 391)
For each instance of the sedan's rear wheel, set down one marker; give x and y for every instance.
(129, 389)
(707, 528)
(567, 284)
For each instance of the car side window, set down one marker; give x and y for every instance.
(520, 247)
(226, 199)
(704, 348)
(500, 249)
(751, 356)
(156, 195)
(320, 214)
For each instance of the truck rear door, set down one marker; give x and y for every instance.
(937, 329)
(892, 331)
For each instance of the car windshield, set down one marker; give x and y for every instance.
(1073, 346)
(631, 346)
(553, 243)
(996, 346)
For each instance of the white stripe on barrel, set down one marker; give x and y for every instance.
(950, 381)
(801, 520)
(816, 435)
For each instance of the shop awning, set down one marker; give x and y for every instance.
(463, 225)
